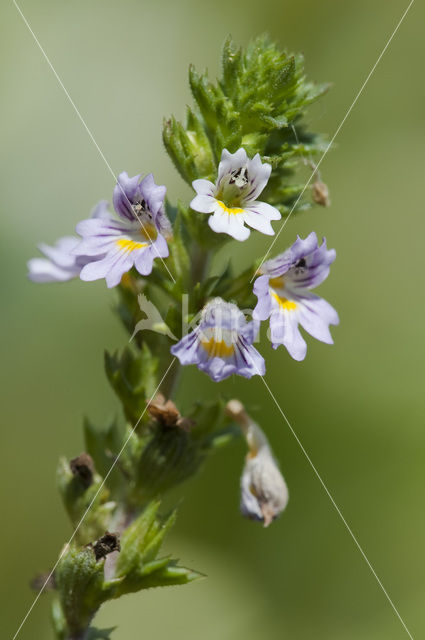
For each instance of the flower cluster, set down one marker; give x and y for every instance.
(239, 148)
(221, 343)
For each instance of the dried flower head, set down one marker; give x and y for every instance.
(108, 543)
(83, 467)
(166, 413)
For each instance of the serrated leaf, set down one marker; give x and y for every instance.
(135, 539)
(231, 64)
(171, 575)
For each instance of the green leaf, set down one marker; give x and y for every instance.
(137, 566)
(231, 60)
(180, 261)
(171, 575)
(135, 540)
(132, 375)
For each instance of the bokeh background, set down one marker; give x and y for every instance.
(357, 407)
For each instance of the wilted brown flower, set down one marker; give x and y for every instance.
(167, 414)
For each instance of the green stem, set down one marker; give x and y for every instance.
(200, 261)
(171, 380)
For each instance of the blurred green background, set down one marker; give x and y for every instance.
(357, 407)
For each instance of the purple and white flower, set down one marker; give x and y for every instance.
(284, 295)
(136, 239)
(221, 344)
(60, 263)
(233, 198)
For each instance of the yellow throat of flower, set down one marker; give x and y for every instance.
(130, 245)
(284, 303)
(218, 349)
(232, 211)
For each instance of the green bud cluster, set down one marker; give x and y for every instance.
(258, 104)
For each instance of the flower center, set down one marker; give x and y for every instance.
(239, 177)
(140, 207)
(130, 245)
(145, 219)
(218, 349)
(284, 303)
(233, 211)
(148, 231)
(232, 190)
(277, 283)
(300, 266)
(218, 342)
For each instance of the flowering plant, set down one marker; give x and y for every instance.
(239, 149)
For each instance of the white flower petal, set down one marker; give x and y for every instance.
(316, 314)
(266, 210)
(231, 224)
(43, 270)
(61, 253)
(258, 222)
(258, 174)
(203, 187)
(111, 267)
(284, 330)
(231, 161)
(203, 203)
(101, 210)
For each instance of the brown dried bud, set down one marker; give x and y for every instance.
(83, 467)
(167, 414)
(321, 194)
(108, 543)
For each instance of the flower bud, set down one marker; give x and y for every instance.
(264, 494)
(321, 194)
